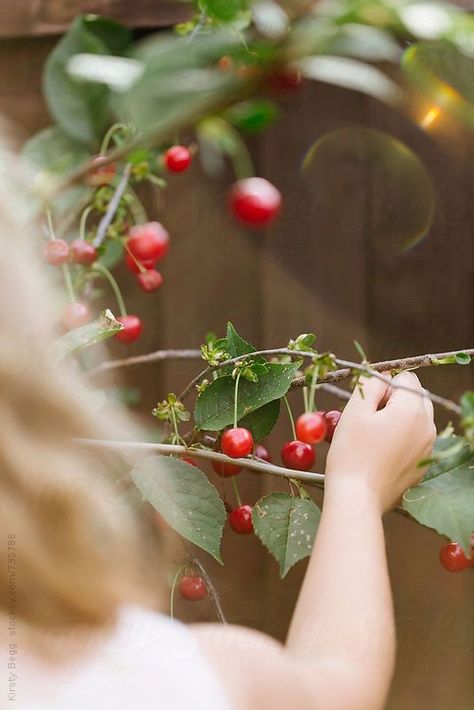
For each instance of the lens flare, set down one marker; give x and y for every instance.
(365, 179)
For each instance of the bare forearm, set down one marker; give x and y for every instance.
(344, 615)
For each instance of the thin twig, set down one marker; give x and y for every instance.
(167, 449)
(113, 206)
(156, 356)
(211, 588)
(442, 401)
(405, 363)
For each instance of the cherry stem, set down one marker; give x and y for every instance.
(109, 135)
(64, 267)
(312, 390)
(305, 399)
(139, 265)
(290, 414)
(235, 486)
(113, 284)
(82, 225)
(177, 575)
(68, 282)
(236, 394)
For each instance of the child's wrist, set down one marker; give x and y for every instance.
(352, 494)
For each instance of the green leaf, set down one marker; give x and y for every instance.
(252, 116)
(80, 109)
(183, 496)
(105, 326)
(463, 358)
(467, 409)
(116, 37)
(446, 504)
(223, 10)
(262, 420)
(352, 74)
(215, 406)
(54, 152)
(180, 78)
(451, 454)
(235, 344)
(287, 527)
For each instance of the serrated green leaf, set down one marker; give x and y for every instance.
(287, 527)
(105, 326)
(261, 422)
(80, 109)
(215, 406)
(236, 345)
(185, 498)
(451, 454)
(446, 504)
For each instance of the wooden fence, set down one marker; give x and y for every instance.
(335, 264)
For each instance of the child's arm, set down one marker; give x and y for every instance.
(340, 650)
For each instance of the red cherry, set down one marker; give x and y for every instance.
(298, 455)
(75, 315)
(81, 252)
(148, 242)
(453, 559)
(101, 174)
(240, 520)
(132, 328)
(331, 418)
(177, 159)
(311, 428)
(237, 443)
(285, 80)
(255, 201)
(134, 265)
(225, 470)
(150, 280)
(192, 588)
(262, 453)
(56, 251)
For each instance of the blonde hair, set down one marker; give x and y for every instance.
(72, 550)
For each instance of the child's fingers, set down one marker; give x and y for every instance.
(369, 393)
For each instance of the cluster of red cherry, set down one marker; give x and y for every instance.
(254, 201)
(311, 428)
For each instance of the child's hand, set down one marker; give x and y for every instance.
(381, 437)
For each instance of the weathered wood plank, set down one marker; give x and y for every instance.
(51, 17)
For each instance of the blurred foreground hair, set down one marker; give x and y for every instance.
(76, 550)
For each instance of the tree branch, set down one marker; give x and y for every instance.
(106, 220)
(167, 449)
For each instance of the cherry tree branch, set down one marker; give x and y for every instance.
(157, 356)
(167, 449)
(347, 368)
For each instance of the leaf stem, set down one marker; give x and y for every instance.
(68, 282)
(103, 270)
